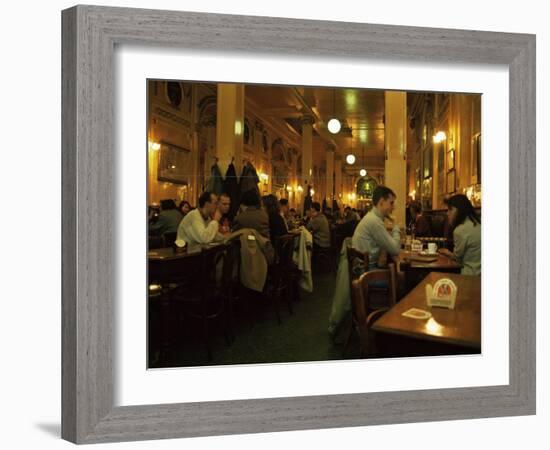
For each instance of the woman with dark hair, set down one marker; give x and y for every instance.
(466, 234)
(184, 207)
(277, 225)
(418, 222)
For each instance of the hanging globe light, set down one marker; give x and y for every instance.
(350, 159)
(334, 126)
(362, 172)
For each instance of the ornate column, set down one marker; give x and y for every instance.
(338, 188)
(330, 174)
(307, 156)
(307, 150)
(229, 125)
(395, 172)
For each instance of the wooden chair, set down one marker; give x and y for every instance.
(280, 275)
(363, 312)
(209, 301)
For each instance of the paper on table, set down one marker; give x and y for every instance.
(415, 313)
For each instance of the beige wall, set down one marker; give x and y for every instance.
(459, 116)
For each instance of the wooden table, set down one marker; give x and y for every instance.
(169, 268)
(442, 263)
(415, 271)
(166, 264)
(459, 327)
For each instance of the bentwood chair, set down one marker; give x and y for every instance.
(281, 273)
(364, 310)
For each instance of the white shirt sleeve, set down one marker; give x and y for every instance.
(201, 234)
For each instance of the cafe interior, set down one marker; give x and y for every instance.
(298, 223)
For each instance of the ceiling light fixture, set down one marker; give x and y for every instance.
(334, 125)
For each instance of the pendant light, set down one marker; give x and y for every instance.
(350, 159)
(334, 125)
(363, 172)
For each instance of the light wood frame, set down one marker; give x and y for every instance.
(90, 34)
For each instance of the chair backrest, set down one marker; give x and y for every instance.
(361, 305)
(284, 248)
(353, 254)
(212, 267)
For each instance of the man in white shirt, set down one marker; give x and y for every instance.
(201, 225)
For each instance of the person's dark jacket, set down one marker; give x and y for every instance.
(231, 187)
(277, 226)
(215, 182)
(422, 227)
(249, 179)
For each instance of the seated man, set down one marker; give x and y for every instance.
(252, 215)
(168, 219)
(371, 235)
(224, 206)
(318, 226)
(201, 226)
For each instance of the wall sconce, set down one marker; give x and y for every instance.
(264, 177)
(155, 146)
(300, 189)
(440, 136)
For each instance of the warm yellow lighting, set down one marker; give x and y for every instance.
(413, 194)
(154, 287)
(173, 167)
(440, 136)
(154, 146)
(238, 127)
(264, 177)
(363, 172)
(433, 327)
(312, 192)
(289, 188)
(363, 136)
(351, 99)
(300, 189)
(350, 159)
(334, 126)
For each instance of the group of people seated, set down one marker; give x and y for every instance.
(372, 235)
(211, 220)
(272, 218)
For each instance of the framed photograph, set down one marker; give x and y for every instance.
(173, 164)
(122, 376)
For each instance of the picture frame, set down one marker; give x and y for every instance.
(90, 34)
(171, 159)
